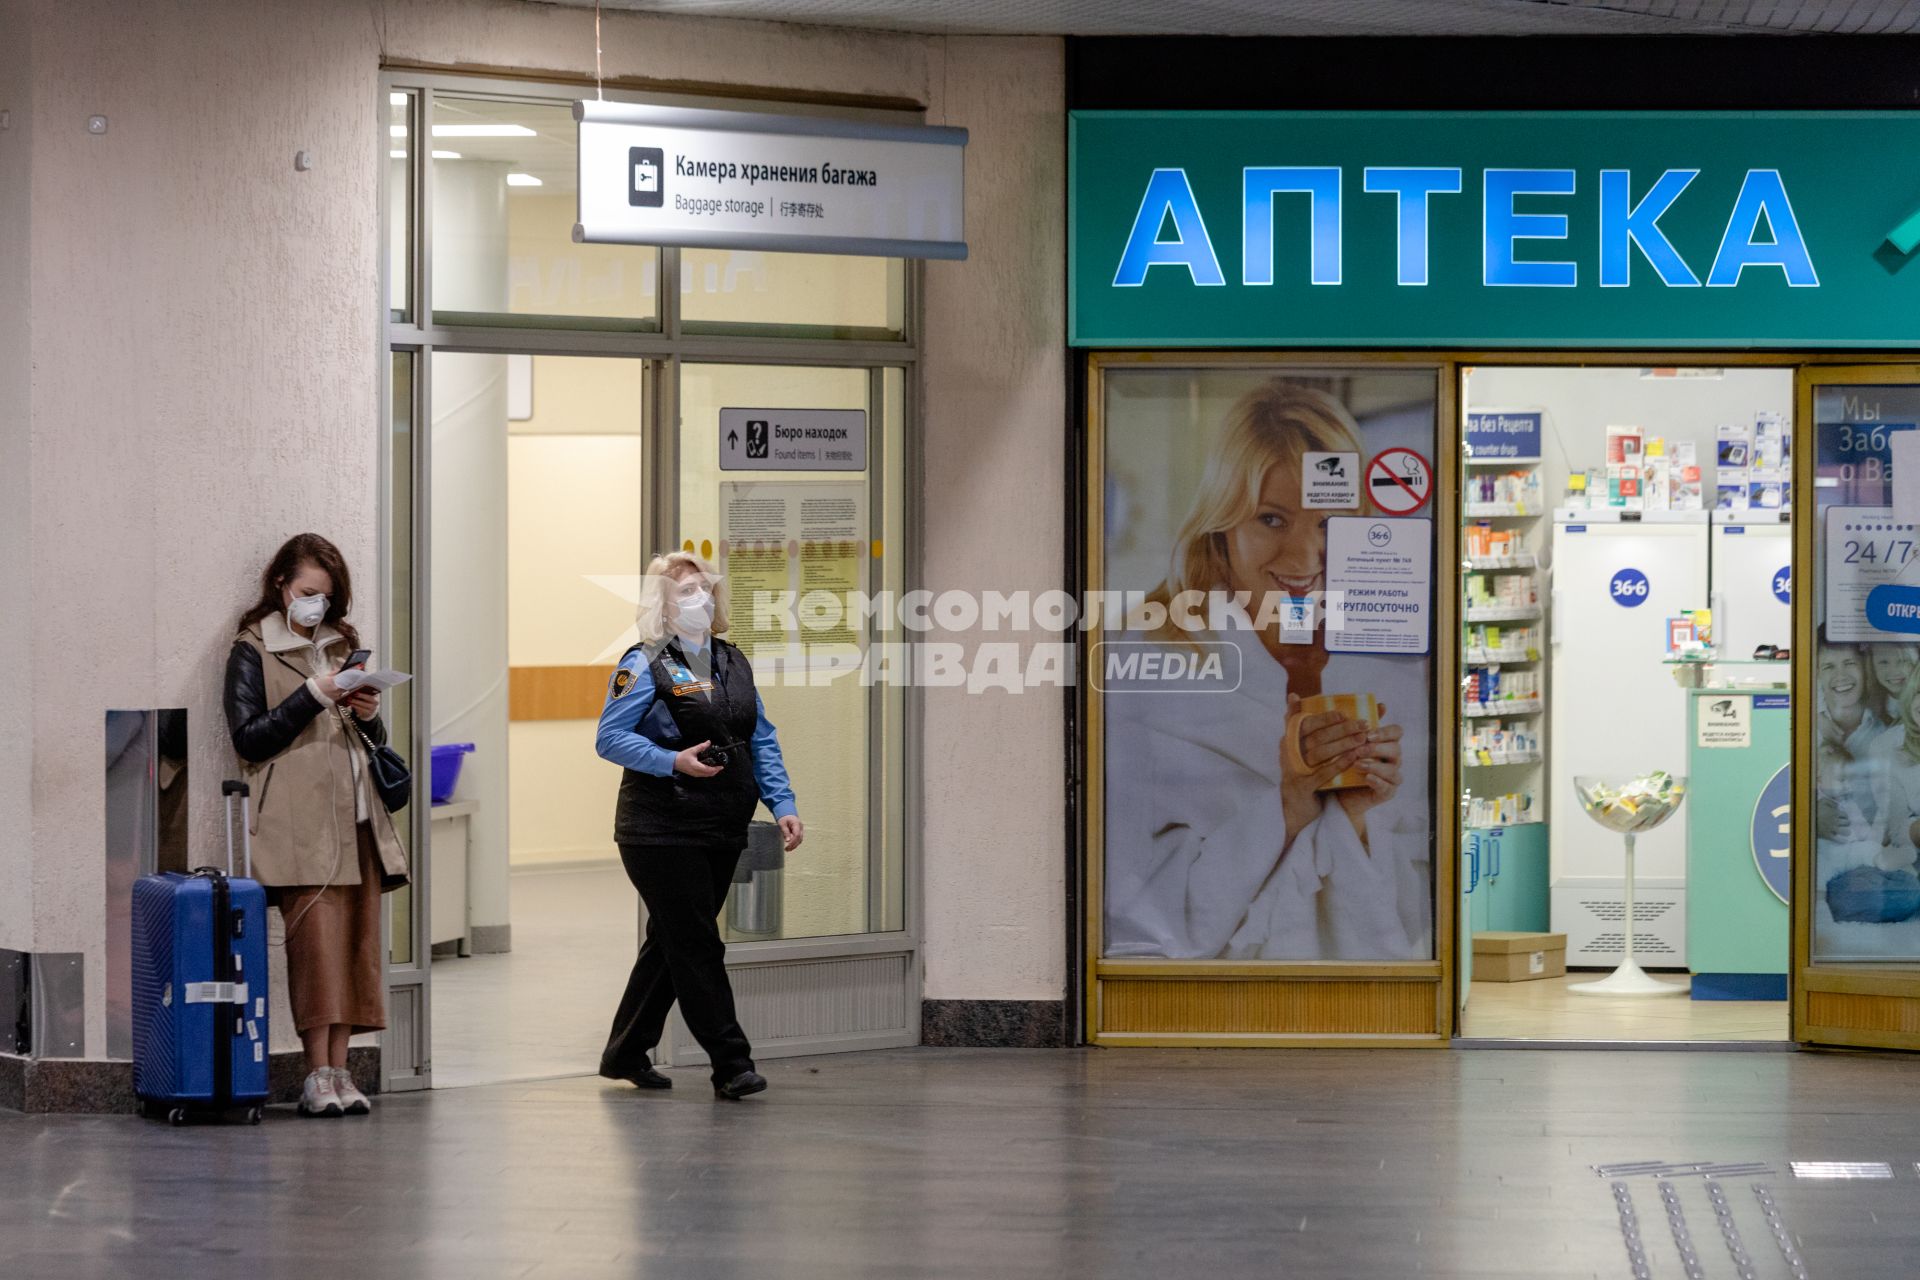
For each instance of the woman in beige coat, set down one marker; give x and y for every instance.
(324, 844)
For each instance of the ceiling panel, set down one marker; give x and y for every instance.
(1317, 17)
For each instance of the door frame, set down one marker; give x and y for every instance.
(406, 1057)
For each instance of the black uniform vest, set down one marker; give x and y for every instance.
(681, 810)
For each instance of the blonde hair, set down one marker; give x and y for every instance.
(662, 573)
(1276, 424)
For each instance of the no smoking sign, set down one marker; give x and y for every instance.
(1399, 481)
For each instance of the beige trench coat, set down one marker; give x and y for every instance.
(303, 798)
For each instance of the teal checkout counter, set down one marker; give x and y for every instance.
(1738, 791)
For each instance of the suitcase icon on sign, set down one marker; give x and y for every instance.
(644, 185)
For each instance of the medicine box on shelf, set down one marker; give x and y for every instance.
(1519, 957)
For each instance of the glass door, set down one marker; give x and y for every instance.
(1856, 767)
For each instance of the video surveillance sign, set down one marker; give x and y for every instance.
(697, 178)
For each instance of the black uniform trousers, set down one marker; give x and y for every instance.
(683, 957)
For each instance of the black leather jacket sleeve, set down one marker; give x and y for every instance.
(261, 732)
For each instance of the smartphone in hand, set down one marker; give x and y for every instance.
(358, 658)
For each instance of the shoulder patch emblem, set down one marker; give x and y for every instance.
(622, 681)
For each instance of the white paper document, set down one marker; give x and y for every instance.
(381, 680)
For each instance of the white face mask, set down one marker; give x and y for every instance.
(693, 615)
(307, 611)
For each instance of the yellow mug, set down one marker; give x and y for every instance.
(1363, 707)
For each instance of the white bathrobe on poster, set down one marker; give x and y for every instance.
(1197, 865)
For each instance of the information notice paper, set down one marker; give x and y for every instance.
(801, 546)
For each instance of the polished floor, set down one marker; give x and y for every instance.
(1544, 1009)
(543, 1009)
(1056, 1164)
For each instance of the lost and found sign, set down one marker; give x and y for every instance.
(697, 178)
(793, 439)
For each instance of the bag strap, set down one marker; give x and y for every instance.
(354, 720)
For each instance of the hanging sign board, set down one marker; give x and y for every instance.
(706, 179)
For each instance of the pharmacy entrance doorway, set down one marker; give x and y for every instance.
(1627, 705)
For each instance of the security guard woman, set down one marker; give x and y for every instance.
(684, 720)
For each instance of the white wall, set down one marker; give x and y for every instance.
(16, 635)
(206, 364)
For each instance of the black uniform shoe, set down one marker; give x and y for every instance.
(645, 1078)
(740, 1086)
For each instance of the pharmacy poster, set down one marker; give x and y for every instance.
(1284, 812)
(1866, 682)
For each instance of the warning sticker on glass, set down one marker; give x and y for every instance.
(1330, 481)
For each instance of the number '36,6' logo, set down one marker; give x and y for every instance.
(1628, 588)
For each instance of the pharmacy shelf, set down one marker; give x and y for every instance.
(1510, 707)
(1502, 826)
(1503, 759)
(1501, 511)
(1618, 515)
(1483, 564)
(1499, 657)
(1503, 462)
(1502, 612)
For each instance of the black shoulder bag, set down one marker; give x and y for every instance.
(387, 768)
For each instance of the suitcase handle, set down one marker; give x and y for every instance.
(231, 788)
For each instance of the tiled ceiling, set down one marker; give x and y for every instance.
(1317, 17)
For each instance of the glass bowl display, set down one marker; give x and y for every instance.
(1632, 805)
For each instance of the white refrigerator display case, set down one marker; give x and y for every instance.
(1752, 582)
(1615, 711)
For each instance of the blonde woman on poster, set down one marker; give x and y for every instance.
(1252, 823)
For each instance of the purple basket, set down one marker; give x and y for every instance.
(446, 769)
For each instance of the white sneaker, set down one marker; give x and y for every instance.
(355, 1102)
(318, 1097)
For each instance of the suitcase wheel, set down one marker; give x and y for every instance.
(177, 1117)
(254, 1115)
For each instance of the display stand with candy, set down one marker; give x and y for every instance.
(1630, 807)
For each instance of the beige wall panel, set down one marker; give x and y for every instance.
(993, 814)
(16, 463)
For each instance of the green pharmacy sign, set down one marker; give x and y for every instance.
(1482, 229)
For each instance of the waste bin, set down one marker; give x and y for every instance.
(753, 908)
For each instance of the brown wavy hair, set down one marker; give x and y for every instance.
(304, 549)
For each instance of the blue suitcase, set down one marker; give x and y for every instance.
(200, 986)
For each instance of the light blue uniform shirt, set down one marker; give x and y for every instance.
(619, 738)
